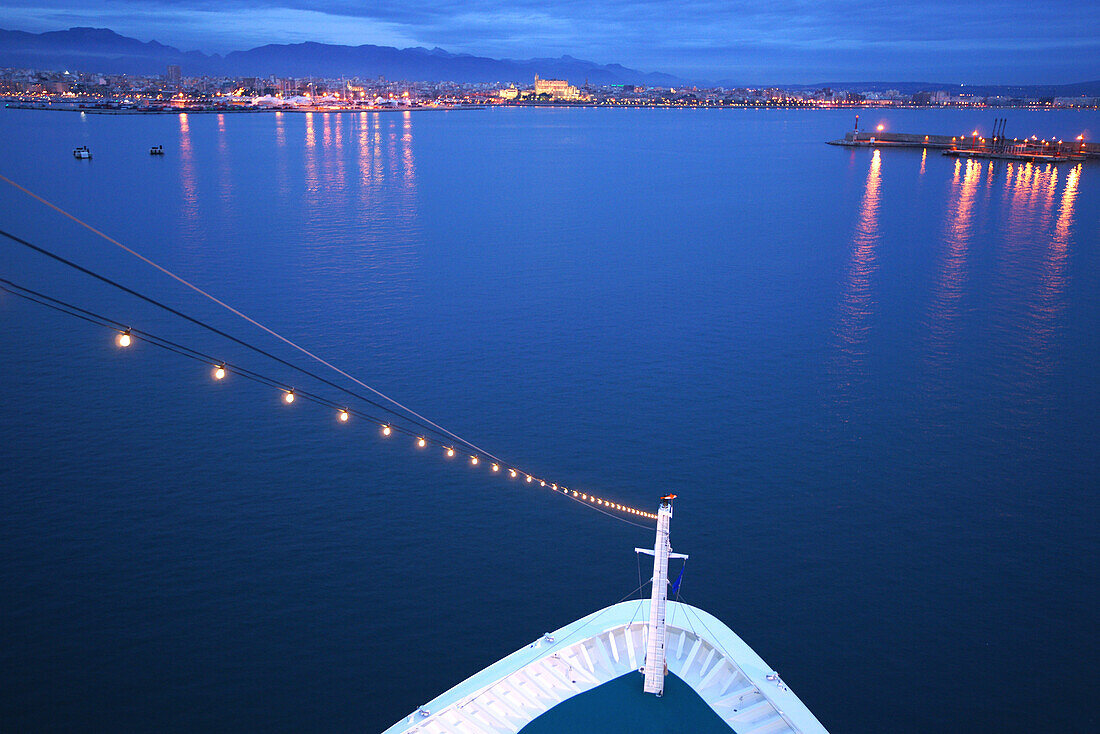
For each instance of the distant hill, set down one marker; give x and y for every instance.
(93, 50)
(1088, 89)
(103, 50)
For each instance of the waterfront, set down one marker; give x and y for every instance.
(868, 375)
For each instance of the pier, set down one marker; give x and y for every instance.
(975, 146)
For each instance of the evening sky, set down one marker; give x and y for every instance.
(778, 41)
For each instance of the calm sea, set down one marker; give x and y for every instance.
(871, 378)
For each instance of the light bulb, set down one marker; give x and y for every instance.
(450, 452)
(542, 484)
(123, 339)
(473, 460)
(289, 397)
(386, 430)
(496, 467)
(344, 415)
(529, 479)
(421, 443)
(512, 472)
(219, 372)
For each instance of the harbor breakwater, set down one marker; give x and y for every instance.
(909, 140)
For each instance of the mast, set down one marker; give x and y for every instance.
(655, 644)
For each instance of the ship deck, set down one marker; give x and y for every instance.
(620, 707)
(593, 664)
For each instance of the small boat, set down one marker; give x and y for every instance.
(82, 152)
(156, 150)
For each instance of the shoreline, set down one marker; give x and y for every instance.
(238, 111)
(75, 107)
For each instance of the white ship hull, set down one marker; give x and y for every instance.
(702, 651)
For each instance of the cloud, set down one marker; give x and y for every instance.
(1025, 40)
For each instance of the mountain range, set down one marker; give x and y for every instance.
(102, 50)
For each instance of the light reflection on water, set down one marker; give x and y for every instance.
(1032, 208)
(188, 192)
(282, 173)
(358, 196)
(951, 286)
(1050, 296)
(225, 163)
(858, 298)
(627, 295)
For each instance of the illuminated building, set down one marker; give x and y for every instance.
(555, 88)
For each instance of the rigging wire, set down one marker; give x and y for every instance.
(219, 332)
(247, 318)
(69, 309)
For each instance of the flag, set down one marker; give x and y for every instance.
(676, 585)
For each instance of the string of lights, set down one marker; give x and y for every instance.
(219, 332)
(126, 337)
(229, 308)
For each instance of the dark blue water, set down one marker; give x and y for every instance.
(619, 706)
(870, 377)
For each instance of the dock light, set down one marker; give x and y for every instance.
(386, 430)
(344, 415)
(496, 467)
(1081, 136)
(975, 133)
(123, 339)
(421, 442)
(289, 397)
(450, 452)
(881, 127)
(473, 460)
(512, 472)
(219, 372)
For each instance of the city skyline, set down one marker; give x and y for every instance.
(784, 42)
